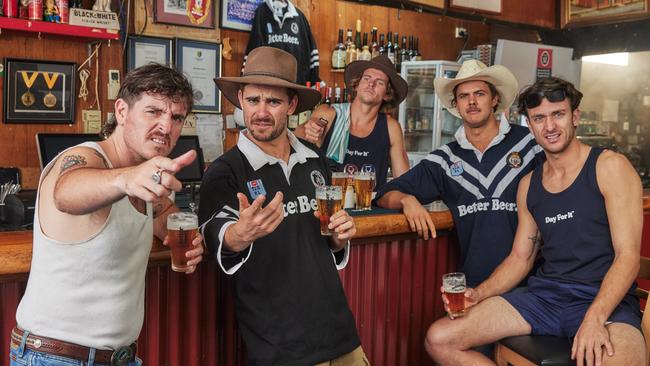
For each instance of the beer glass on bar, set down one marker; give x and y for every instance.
(182, 228)
(454, 287)
(329, 202)
(344, 180)
(364, 184)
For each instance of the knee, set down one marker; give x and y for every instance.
(438, 338)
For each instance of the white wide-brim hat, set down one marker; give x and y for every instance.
(503, 80)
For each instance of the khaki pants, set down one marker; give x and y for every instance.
(354, 358)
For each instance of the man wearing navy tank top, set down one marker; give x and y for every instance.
(358, 132)
(585, 205)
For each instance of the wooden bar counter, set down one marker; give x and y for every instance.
(392, 283)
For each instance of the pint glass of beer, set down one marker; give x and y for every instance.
(364, 184)
(344, 180)
(329, 202)
(454, 287)
(182, 228)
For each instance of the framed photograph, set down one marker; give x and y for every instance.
(144, 50)
(483, 6)
(201, 63)
(190, 13)
(238, 14)
(39, 91)
(588, 12)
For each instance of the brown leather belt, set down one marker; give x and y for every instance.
(119, 357)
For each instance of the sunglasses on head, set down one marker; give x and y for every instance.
(553, 96)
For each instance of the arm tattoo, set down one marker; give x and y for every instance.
(102, 157)
(537, 242)
(71, 161)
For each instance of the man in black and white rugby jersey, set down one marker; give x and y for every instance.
(290, 303)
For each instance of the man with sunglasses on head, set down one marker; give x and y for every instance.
(585, 205)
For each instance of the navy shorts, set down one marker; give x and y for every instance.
(554, 308)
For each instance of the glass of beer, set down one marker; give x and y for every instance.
(182, 228)
(329, 202)
(364, 184)
(344, 180)
(454, 287)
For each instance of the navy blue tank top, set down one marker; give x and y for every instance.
(577, 245)
(373, 149)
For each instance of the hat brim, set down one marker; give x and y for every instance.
(503, 80)
(355, 69)
(229, 86)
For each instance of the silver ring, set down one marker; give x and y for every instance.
(157, 176)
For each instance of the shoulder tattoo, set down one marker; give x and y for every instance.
(101, 157)
(72, 161)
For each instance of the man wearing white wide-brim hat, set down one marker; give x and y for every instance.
(476, 175)
(290, 303)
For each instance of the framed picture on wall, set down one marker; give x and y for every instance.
(201, 63)
(37, 91)
(238, 14)
(144, 50)
(190, 13)
(483, 6)
(587, 12)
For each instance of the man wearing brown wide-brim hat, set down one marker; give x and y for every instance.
(291, 307)
(358, 132)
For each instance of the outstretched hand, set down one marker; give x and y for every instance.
(256, 221)
(155, 177)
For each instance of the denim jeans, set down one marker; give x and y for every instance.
(22, 356)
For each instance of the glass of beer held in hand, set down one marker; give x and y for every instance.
(364, 184)
(454, 287)
(329, 202)
(182, 228)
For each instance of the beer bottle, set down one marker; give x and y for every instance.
(390, 50)
(411, 49)
(374, 46)
(337, 95)
(418, 55)
(398, 59)
(404, 53)
(382, 48)
(339, 53)
(328, 95)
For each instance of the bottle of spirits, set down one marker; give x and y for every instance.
(404, 53)
(390, 50)
(411, 48)
(350, 49)
(382, 46)
(398, 59)
(418, 55)
(365, 51)
(337, 95)
(339, 53)
(357, 36)
(374, 46)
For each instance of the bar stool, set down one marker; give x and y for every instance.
(556, 351)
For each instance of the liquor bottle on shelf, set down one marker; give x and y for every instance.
(382, 46)
(418, 55)
(411, 48)
(398, 59)
(348, 39)
(365, 51)
(374, 46)
(339, 53)
(390, 50)
(357, 36)
(328, 95)
(350, 49)
(404, 52)
(337, 95)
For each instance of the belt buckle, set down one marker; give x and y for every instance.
(122, 356)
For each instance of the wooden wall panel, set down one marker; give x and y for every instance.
(17, 141)
(530, 12)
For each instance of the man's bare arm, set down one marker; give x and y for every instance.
(516, 266)
(315, 130)
(399, 163)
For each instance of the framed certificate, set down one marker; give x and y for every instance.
(201, 63)
(39, 91)
(145, 50)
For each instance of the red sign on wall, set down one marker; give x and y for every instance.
(544, 63)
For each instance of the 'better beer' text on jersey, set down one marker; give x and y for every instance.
(480, 191)
(290, 303)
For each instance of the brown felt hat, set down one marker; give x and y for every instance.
(384, 64)
(271, 67)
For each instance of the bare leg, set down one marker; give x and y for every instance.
(629, 346)
(449, 342)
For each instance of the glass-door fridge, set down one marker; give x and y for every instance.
(425, 123)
